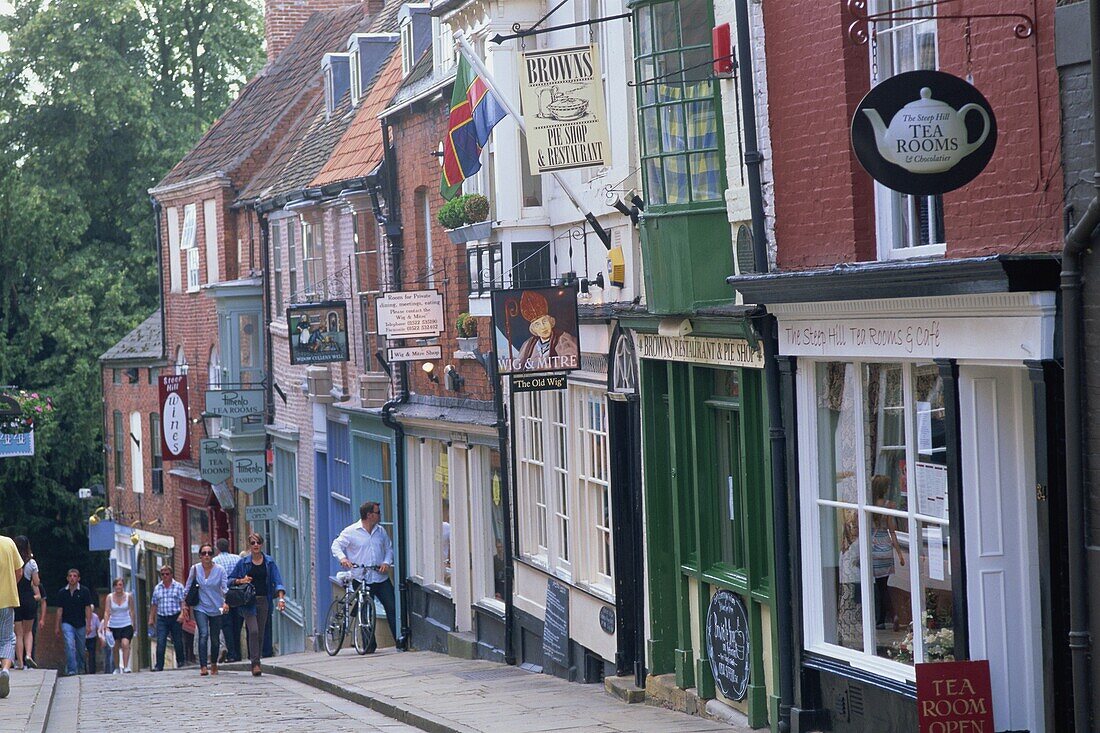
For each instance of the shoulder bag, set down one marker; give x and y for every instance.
(240, 595)
(192, 598)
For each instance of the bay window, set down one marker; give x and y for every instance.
(877, 579)
(677, 103)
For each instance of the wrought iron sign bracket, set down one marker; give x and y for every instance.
(858, 29)
(519, 32)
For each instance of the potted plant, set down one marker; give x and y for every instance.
(22, 411)
(466, 218)
(466, 329)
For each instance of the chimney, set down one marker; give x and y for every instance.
(284, 18)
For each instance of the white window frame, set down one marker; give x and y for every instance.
(355, 72)
(173, 221)
(188, 245)
(888, 204)
(313, 261)
(210, 229)
(424, 203)
(407, 60)
(593, 481)
(137, 463)
(214, 369)
(810, 517)
(530, 477)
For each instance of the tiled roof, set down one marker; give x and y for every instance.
(360, 150)
(269, 97)
(265, 183)
(143, 343)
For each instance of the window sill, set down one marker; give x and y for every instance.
(491, 606)
(603, 592)
(875, 666)
(913, 253)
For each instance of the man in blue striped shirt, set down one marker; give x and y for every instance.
(366, 543)
(165, 607)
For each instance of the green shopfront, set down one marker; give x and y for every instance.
(707, 502)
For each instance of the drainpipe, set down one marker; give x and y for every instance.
(391, 221)
(505, 506)
(1076, 247)
(777, 432)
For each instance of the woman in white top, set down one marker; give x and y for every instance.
(118, 615)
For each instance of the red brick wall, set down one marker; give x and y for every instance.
(415, 133)
(824, 201)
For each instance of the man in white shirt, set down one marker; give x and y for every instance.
(366, 543)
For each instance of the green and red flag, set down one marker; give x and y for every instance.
(474, 112)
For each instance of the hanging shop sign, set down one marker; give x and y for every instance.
(538, 383)
(607, 619)
(414, 353)
(954, 696)
(214, 464)
(924, 132)
(535, 330)
(249, 472)
(561, 90)
(13, 445)
(260, 512)
(318, 332)
(175, 438)
(728, 644)
(716, 351)
(410, 314)
(234, 402)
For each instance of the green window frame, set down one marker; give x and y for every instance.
(678, 105)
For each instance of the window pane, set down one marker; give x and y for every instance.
(704, 176)
(655, 190)
(673, 129)
(702, 124)
(840, 577)
(666, 26)
(936, 597)
(676, 179)
(442, 483)
(930, 471)
(496, 513)
(884, 433)
(892, 593)
(695, 23)
(728, 490)
(645, 32)
(836, 432)
(646, 72)
(651, 134)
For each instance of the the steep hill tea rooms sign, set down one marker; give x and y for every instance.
(563, 108)
(924, 132)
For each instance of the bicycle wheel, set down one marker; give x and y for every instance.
(335, 627)
(364, 634)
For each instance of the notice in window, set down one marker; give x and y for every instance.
(932, 490)
(924, 428)
(934, 536)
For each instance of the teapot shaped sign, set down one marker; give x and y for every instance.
(924, 132)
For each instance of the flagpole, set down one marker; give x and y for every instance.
(471, 56)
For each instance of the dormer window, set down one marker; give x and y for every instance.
(356, 76)
(366, 54)
(407, 59)
(337, 71)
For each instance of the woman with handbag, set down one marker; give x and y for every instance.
(258, 570)
(205, 604)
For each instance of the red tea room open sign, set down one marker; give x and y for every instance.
(954, 697)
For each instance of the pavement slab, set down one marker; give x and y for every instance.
(27, 706)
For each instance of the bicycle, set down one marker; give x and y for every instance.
(354, 608)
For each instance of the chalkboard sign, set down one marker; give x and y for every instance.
(555, 628)
(728, 644)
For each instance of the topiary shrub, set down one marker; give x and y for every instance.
(452, 215)
(476, 208)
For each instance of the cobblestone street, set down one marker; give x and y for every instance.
(184, 701)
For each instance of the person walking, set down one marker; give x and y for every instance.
(208, 615)
(259, 569)
(366, 543)
(91, 643)
(75, 602)
(11, 570)
(164, 611)
(118, 617)
(233, 620)
(30, 593)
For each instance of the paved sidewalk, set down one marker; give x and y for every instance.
(441, 694)
(27, 707)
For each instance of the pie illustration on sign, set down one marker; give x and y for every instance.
(561, 107)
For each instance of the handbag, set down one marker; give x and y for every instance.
(192, 598)
(240, 595)
(189, 625)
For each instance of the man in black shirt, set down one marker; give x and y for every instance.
(75, 618)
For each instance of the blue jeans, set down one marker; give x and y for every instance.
(210, 628)
(384, 593)
(74, 648)
(166, 625)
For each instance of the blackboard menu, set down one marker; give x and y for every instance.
(728, 644)
(555, 627)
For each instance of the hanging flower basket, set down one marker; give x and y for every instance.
(22, 411)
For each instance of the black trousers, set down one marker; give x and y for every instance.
(384, 593)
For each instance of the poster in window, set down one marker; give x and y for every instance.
(561, 90)
(318, 332)
(535, 330)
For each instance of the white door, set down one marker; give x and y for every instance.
(1002, 572)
